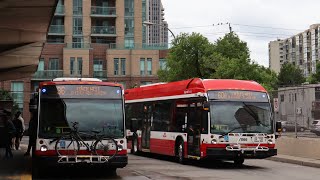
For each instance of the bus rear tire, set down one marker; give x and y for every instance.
(180, 152)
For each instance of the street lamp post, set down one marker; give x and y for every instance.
(147, 23)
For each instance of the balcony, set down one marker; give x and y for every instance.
(103, 31)
(143, 46)
(56, 30)
(59, 10)
(100, 11)
(79, 45)
(47, 74)
(100, 74)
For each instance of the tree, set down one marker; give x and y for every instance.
(315, 78)
(238, 65)
(190, 56)
(290, 75)
(228, 58)
(232, 47)
(5, 95)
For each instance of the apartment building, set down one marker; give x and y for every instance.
(301, 50)
(105, 39)
(157, 34)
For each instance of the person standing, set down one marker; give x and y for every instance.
(10, 131)
(18, 124)
(33, 124)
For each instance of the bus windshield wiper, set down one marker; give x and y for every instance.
(253, 114)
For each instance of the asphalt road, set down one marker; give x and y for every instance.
(164, 168)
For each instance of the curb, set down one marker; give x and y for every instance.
(293, 161)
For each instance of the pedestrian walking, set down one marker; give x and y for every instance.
(18, 124)
(9, 132)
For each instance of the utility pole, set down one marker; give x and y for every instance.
(230, 28)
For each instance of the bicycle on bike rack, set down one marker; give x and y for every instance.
(101, 149)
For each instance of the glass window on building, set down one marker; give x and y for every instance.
(80, 62)
(123, 66)
(116, 66)
(17, 94)
(149, 66)
(129, 27)
(77, 42)
(97, 65)
(145, 83)
(72, 65)
(77, 7)
(142, 66)
(317, 93)
(129, 42)
(41, 65)
(129, 8)
(77, 25)
(53, 64)
(97, 68)
(162, 64)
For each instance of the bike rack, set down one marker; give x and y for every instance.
(83, 159)
(237, 147)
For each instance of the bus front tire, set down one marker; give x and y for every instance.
(238, 161)
(180, 152)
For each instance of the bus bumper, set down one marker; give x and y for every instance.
(223, 154)
(119, 161)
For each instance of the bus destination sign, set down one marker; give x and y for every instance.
(235, 95)
(81, 91)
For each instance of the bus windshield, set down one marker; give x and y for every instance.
(240, 117)
(103, 115)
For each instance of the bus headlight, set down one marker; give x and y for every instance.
(270, 141)
(120, 147)
(43, 148)
(214, 141)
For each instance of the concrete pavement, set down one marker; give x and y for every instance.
(296, 160)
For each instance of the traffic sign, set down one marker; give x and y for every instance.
(275, 104)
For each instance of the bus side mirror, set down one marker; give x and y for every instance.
(278, 126)
(206, 106)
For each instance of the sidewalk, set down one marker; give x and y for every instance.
(296, 160)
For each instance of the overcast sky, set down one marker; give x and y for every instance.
(275, 18)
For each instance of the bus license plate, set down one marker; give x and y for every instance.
(63, 144)
(257, 139)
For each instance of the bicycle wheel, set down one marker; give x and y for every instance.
(67, 146)
(106, 147)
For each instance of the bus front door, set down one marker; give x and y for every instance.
(147, 115)
(193, 131)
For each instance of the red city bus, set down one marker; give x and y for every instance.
(201, 119)
(96, 107)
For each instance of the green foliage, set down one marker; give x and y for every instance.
(5, 95)
(228, 58)
(190, 56)
(315, 78)
(232, 47)
(290, 75)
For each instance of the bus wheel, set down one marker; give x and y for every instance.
(134, 149)
(180, 152)
(239, 161)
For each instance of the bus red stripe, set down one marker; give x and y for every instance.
(81, 152)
